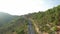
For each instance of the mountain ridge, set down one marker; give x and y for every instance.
(46, 22)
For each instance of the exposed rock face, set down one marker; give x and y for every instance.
(58, 30)
(45, 33)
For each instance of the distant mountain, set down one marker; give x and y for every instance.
(42, 22)
(5, 18)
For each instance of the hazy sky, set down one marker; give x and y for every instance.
(20, 7)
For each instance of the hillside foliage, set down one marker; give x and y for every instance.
(47, 21)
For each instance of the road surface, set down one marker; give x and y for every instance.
(30, 28)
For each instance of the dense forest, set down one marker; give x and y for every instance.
(45, 21)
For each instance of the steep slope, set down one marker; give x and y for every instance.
(43, 22)
(46, 21)
(17, 26)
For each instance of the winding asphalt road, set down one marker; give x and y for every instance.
(30, 28)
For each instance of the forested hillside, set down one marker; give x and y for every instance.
(45, 22)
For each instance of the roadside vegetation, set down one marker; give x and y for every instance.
(46, 21)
